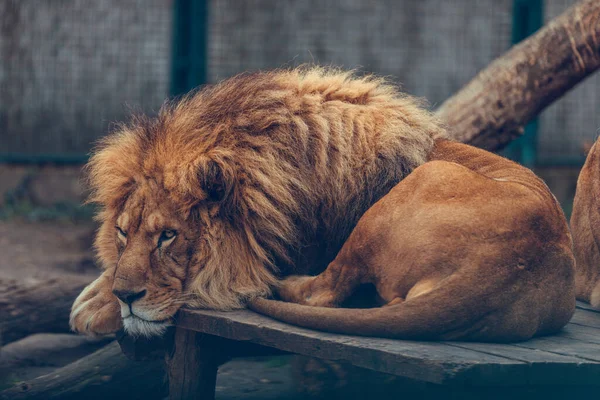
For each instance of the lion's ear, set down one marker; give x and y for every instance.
(215, 180)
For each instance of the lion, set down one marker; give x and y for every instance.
(237, 185)
(264, 176)
(585, 226)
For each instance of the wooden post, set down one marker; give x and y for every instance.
(192, 365)
(528, 17)
(190, 30)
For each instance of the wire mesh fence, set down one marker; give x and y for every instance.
(573, 121)
(430, 47)
(71, 67)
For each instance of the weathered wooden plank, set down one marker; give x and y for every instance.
(427, 361)
(565, 346)
(586, 318)
(585, 306)
(580, 333)
(571, 357)
(546, 365)
(528, 355)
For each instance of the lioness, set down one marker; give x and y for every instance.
(585, 225)
(470, 246)
(264, 176)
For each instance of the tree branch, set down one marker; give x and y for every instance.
(493, 108)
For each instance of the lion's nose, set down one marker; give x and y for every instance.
(127, 296)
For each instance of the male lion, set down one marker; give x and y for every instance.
(264, 176)
(585, 225)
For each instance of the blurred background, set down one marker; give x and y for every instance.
(70, 69)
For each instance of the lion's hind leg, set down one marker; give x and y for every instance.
(328, 289)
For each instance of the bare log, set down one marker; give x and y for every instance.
(105, 374)
(48, 349)
(493, 108)
(40, 307)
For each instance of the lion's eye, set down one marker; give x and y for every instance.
(166, 237)
(121, 232)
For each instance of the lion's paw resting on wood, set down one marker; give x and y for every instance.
(96, 310)
(585, 225)
(266, 175)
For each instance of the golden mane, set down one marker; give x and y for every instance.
(302, 154)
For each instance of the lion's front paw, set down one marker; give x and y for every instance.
(96, 311)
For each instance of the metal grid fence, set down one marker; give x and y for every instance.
(573, 121)
(430, 47)
(71, 67)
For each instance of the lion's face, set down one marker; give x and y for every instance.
(170, 248)
(154, 248)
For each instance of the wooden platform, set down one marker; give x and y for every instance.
(571, 357)
(554, 366)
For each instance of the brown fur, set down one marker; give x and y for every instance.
(585, 225)
(470, 246)
(266, 175)
(262, 175)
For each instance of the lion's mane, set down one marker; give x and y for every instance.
(303, 153)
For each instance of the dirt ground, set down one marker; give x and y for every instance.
(36, 250)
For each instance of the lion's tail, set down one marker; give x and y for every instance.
(447, 312)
